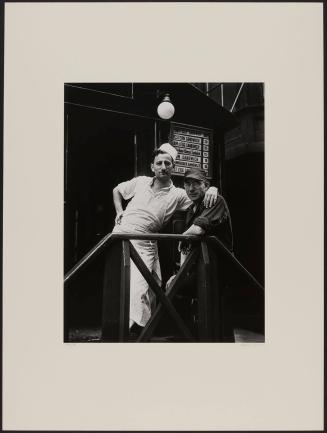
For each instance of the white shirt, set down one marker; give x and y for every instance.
(149, 211)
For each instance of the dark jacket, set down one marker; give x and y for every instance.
(215, 221)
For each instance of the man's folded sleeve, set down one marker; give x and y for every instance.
(211, 217)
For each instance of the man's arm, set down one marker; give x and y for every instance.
(211, 217)
(194, 230)
(124, 191)
(118, 203)
(210, 198)
(184, 246)
(204, 223)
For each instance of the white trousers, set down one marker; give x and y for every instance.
(141, 296)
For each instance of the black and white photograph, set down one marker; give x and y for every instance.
(164, 212)
(163, 187)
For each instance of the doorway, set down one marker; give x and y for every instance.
(99, 153)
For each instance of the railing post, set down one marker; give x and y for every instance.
(66, 315)
(204, 295)
(217, 287)
(115, 310)
(124, 292)
(209, 296)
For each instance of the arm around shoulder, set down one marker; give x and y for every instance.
(210, 197)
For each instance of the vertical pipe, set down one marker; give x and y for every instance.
(135, 154)
(155, 135)
(222, 94)
(66, 155)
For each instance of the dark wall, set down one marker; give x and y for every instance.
(244, 177)
(94, 146)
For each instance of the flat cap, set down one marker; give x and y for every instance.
(195, 173)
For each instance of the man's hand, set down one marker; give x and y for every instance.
(184, 247)
(210, 197)
(119, 217)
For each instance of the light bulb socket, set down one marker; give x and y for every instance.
(166, 98)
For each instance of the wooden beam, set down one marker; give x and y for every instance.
(111, 302)
(216, 282)
(157, 315)
(159, 293)
(124, 293)
(218, 245)
(204, 298)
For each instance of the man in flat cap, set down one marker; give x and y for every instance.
(153, 202)
(200, 220)
(214, 221)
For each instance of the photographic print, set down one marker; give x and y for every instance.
(164, 212)
(163, 216)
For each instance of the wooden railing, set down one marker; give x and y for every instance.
(205, 257)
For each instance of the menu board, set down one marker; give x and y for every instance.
(194, 146)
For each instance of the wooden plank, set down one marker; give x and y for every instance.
(110, 237)
(99, 247)
(159, 293)
(157, 315)
(155, 236)
(204, 298)
(124, 293)
(218, 245)
(216, 294)
(111, 294)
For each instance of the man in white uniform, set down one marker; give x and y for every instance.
(153, 202)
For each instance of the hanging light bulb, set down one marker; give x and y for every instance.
(166, 109)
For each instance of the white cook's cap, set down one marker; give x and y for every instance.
(168, 148)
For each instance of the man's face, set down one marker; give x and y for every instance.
(162, 166)
(195, 189)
